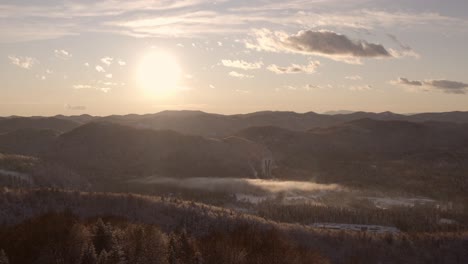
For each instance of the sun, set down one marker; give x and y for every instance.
(159, 73)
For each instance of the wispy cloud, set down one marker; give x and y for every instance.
(446, 86)
(23, 62)
(87, 86)
(240, 75)
(295, 68)
(183, 18)
(241, 64)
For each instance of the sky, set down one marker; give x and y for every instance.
(232, 56)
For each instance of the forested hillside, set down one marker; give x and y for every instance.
(139, 229)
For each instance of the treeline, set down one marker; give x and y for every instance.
(406, 219)
(63, 238)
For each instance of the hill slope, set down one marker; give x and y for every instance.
(103, 150)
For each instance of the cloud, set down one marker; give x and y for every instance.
(86, 64)
(23, 62)
(240, 75)
(307, 87)
(212, 86)
(406, 50)
(75, 107)
(62, 54)
(241, 64)
(23, 21)
(107, 60)
(99, 68)
(449, 86)
(295, 68)
(109, 75)
(308, 14)
(82, 86)
(87, 86)
(320, 43)
(405, 81)
(446, 86)
(354, 78)
(121, 63)
(360, 88)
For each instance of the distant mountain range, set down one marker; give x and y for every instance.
(216, 125)
(369, 150)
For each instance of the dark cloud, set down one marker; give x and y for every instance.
(322, 43)
(405, 81)
(331, 43)
(446, 86)
(449, 86)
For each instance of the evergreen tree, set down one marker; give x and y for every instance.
(3, 257)
(103, 237)
(182, 250)
(116, 254)
(103, 259)
(89, 255)
(172, 254)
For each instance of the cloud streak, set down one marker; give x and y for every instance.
(241, 64)
(182, 18)
(87, 86)
(75, 107)
(240, 75)
(446, 86)
(295, 68)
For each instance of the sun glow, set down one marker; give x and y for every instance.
(159, 74)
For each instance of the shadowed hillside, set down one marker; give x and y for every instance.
(100, 150)
(396, 155)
